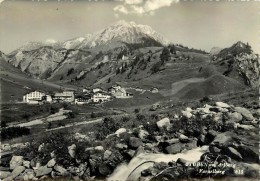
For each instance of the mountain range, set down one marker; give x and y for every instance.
(136, 55)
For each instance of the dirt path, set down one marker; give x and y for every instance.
(77, 124)
(53, 117)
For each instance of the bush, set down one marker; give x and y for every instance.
(140, 117)
(70, 115)
(108, 126)
(57, 142)
(125, 119)
(136, 111)
(13, 132)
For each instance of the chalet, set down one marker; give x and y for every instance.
(33, 97)
(118, 92)
(82, 100)
(100, 97)
(97, 90)
(47, 99)
(154, 90)
(65, 96)
(86, 90)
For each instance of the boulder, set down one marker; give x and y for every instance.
(235, 116)
(232, 153)
(104, 170)
(229, 125)
(248, 154)
(99, 148)
(114, 160)
(90, 150)
(5, 147)
(40, 147)
(134, 142)
(188, 109)
(214, 149)
(165, 122)
(183, 138)
(4, 174)
(182, 161)
(192, 144)
(107, 154)
(43, 170)
(223, 139)
(202, 140)
(186, 114)
(245, 113)
(51, 163)
(210, 136)
(142, 134)
(130, 153)
(173, 149)
(28, 174)
(17, 171)
(72, 150)
(26, 164)
(16, 161)
(121, 146)
(222, 104)
(120, 131)
(62, 171)
(172, 141)
(245, 127)
(217, 116)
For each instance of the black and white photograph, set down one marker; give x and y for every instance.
(129, 90)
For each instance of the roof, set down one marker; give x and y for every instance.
(34, 91)
(64, 94)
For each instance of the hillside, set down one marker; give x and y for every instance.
(239, 62)
(136, 56)
(15, 83)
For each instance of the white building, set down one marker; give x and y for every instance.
(97, 90)
(66, 96)
(154, 90)
(119, 92)
(100, 97)
(33, 97)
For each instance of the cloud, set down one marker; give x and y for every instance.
(142, 7)
(121, 9)
(133, 1)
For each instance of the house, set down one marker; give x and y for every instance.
(86, 90)
(33, 97)
(65, 96)
(100, 97)
(82, 100)
(47, 98)
(119, 92)
(97, 90)
(154, 90)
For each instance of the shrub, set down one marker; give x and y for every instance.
(108, 126)
(70, 115)
(57, 142)
(70, 71)
(140, 117)
(125, 119)
(136, 110)
(13, 132)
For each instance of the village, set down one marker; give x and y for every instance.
(95, 95)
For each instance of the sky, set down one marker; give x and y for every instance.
(199, 24)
